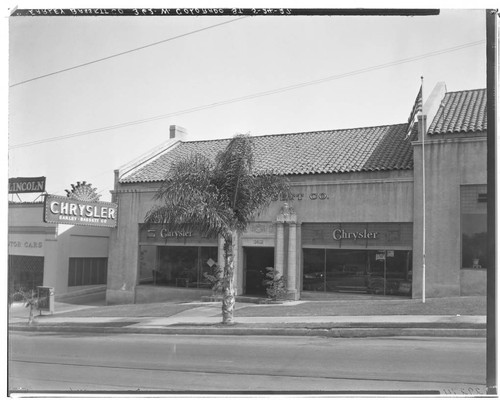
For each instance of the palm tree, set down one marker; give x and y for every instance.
(217, 198)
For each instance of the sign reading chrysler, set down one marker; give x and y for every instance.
(64, 210)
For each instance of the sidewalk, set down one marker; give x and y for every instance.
(299, 318)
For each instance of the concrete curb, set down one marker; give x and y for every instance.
(337, 332)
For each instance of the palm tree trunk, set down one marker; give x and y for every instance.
(228, 298)
(32, 313)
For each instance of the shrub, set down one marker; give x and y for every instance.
(275, 284)
(30, 299)
(215, 280)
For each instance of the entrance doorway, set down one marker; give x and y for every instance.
(257, 259)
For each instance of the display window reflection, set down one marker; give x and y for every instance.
(386, 272)
(314, 270)
(177, 266)
(473, 201)
(474, 241)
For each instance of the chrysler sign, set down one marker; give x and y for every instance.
(339, 234)
(64, 210)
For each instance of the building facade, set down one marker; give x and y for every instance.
(354, 222)
(66, 257)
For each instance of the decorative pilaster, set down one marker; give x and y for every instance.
(287, 216)
(280, 247)
(292, 260)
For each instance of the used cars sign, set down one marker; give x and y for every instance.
(64, 210)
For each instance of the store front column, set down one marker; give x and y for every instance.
(287, 216)
(280, 247)
(292, 261)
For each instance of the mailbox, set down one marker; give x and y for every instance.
(45, 299)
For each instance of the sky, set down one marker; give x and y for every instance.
(216, 76)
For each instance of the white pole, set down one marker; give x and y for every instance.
(385, 269)
(423, 126)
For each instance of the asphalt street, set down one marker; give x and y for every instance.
(177, 363)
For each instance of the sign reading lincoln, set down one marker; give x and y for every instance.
(78, 209)
(27, 185)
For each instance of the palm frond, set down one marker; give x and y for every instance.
(202, 214)
(257, 193)
(215, 198)
(187, 178)
(190, 200)
(232, 165)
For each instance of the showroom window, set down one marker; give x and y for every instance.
(87, 271)
(474, 226)
(25, 272)
(179, 266)
(358, 271)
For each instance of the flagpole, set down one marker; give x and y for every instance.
(423, 126)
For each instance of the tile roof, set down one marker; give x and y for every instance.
(461, 112)
(333, 151)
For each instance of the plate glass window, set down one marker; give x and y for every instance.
(473, 226)
(179, 266)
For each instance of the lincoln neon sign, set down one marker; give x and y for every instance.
(27, 185)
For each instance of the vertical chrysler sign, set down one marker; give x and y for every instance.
(65, 210)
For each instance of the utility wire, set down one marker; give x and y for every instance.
(126, 52)
(253, 96)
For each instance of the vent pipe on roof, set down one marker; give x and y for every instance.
(177, 132)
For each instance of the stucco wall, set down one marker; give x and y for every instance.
(123, 252)
(379, 196)
(26, 215)
(449, 163)
(58, 242)
(383, 196)
(77, 241)
(134, 201)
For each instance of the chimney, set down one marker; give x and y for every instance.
(177, 132)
